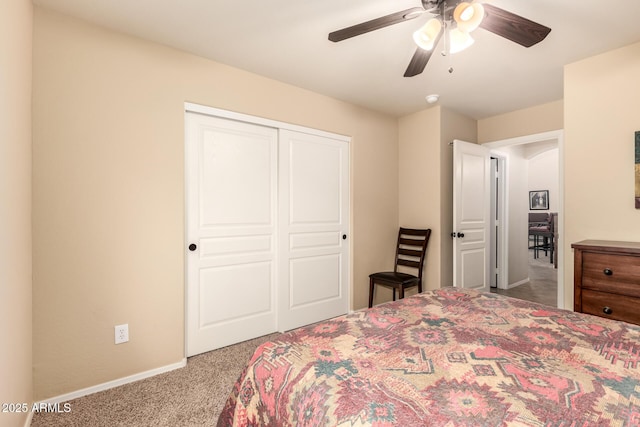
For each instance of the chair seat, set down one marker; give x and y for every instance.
(533, 230)
(394, 279)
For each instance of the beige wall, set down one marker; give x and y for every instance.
(419, 186)
(426, 183)
(108, 192)
(16, 25)
(601, 116)
(528, 121)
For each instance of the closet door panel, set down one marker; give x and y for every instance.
(315, 182)
(231, 220)
(237, 169)
(320, 276)
(313, 218)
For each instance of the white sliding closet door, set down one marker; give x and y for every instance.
(267, 229)
(314, 229)
(232, 220)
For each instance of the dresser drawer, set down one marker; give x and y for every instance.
(611, 306)
(611, 273)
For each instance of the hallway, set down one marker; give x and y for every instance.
(543, 284)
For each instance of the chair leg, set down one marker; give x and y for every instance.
(394, 293)
(371, 288)
(545, 245)
(420, 287)
(401, 292)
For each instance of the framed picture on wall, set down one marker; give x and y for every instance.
(539, 200)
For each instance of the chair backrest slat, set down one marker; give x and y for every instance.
(414, 231)
(410, 252)
(411, 242)
(408, 263)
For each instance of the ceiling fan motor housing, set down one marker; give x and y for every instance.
(435, 6)
(430, 5)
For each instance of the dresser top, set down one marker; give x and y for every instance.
(608, 246)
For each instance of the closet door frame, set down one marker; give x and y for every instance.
(231, 115)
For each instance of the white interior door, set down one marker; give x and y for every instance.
(471, 215)
(231, 220)
(314, 229)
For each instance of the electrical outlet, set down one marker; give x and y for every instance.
(122, 333)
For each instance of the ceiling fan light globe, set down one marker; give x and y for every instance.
(426, 36)
(423, 42)
(468, 16)
(459, 40)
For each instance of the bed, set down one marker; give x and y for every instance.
(448, 357)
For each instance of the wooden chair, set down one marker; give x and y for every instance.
(410, 252)
(542, 228)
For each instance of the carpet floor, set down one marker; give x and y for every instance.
(190, 396)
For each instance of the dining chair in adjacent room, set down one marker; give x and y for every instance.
(542, 230)
(410, 253)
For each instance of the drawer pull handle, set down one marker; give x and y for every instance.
(607, 272)
(607, 310)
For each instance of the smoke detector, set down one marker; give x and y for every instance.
(433, 98)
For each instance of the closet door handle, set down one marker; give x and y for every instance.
(344, 237)
(192, 247)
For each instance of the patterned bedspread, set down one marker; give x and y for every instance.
(448, 357)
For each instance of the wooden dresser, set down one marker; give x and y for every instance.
(607, 279)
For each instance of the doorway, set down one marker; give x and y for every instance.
(505, 243)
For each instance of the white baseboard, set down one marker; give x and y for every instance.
(27, 422)
(115, 383)
(521, 282)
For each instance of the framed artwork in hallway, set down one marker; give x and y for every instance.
(539, 200)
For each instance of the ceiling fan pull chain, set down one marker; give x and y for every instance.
(447, 37)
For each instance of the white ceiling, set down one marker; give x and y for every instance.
(287, 40)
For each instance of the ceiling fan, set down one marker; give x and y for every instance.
(454, 20)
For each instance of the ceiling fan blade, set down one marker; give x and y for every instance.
(420, 59)
(513, 27)
(375, 24)
(418, 62)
